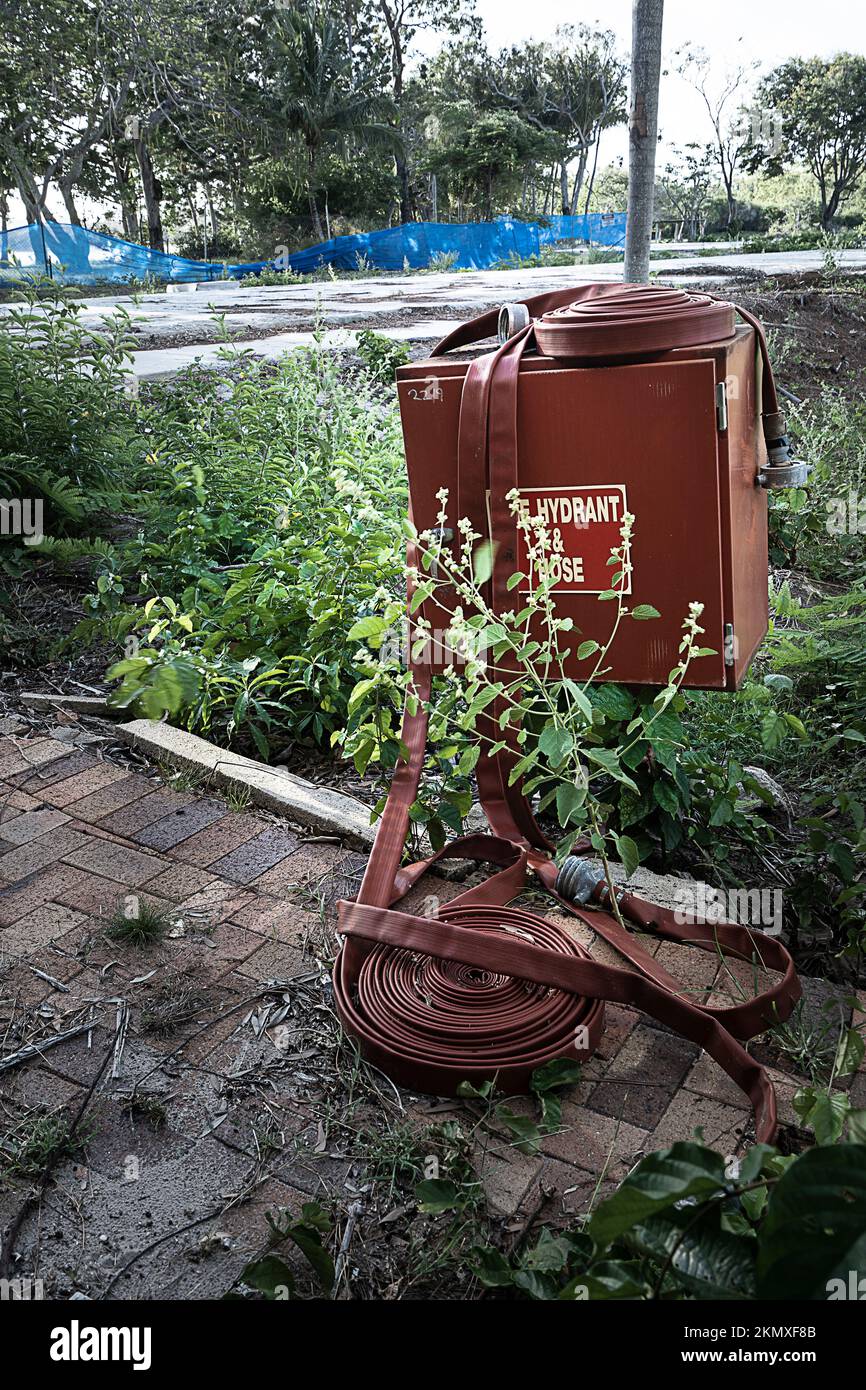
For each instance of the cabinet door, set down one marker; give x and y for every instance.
(647, 435)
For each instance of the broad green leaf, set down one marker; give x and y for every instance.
(270, 1275)
(490, 1267)
(684, 1170)
(365, 627)
(549, 1254)
(815, 1226)
(435, 1195)
(568, 800)
(555, 743)
(707, 1262)
(628, 853)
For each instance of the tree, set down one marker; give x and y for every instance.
(721, 94)
(685, 186)
(646, 55)
(573, 88)
(589, 82)
(401, 20)
(77, 81)
(821, 107)
(321, 97)
(480, 153)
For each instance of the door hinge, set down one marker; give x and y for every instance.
(721, 407)
(730, 647)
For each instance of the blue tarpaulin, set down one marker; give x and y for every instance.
(78, 256)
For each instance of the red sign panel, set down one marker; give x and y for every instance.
(584, 525)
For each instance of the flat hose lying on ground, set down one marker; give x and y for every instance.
(482, 990)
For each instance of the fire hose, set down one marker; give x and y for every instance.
(485, 991)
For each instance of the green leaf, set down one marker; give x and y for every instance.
(482, 563)
(628, 853)
(587, 649)
(607, 758)
(269, 1275)
(773, 730)
(435, 1195)
(539, 1286)
(797, 725)
(643, 611)
(468, 758)
(469, 1091)
(579, 697)
(754, 1161)
(549, 1255)
(707, 1262)
(823, 1111)
(857, 1126)
(555, 743)
(523, 1127)
(815, 1226)
(490, 1267)
(665, 796)
(308, 1241)
(613, 701)
(366, 627)
(844, 861)
(568, 800)
(609, 1279)
(660, 1180)
(849, 1053)
(554, 1075)
(723, 812)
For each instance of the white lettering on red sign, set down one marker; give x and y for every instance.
(584, 526)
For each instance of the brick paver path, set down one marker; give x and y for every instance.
(221, 1082)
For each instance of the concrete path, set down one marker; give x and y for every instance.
(179, 328)
(226, 1091)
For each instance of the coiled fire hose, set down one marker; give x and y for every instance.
(484, 991)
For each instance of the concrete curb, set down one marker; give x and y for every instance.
(319, 808)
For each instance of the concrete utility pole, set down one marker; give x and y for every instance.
(646, 61)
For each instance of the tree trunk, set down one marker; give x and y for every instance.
(214, 229)
(405, 195)
(563, 187)
(578, 180)
(591, 184)
(69, 203)
(647, 16)
(315, 219)
(152, 191)
(34, 203)
(125, 192)
(829, 208)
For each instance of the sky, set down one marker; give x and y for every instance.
(734, 31)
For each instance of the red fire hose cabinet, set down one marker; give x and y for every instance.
(676, 441)
(600, 400)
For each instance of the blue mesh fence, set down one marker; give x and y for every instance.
(79, 256)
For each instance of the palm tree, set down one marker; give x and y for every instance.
(322, 99)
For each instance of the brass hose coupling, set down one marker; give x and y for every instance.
(781, 469)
